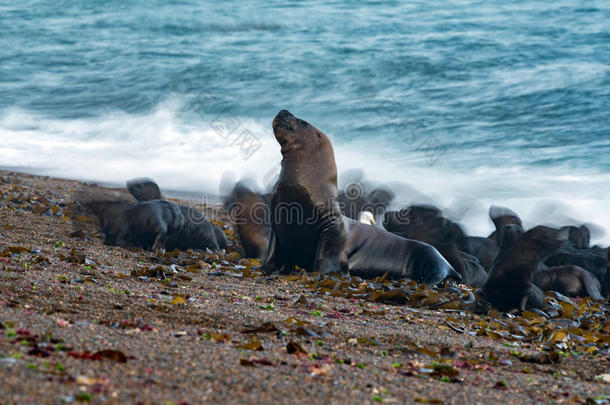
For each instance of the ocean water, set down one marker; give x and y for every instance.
(469, 103)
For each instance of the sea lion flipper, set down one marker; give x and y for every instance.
(275, 258)
(330, 256)
(592, 286)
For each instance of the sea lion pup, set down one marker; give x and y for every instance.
(252, 216)
(425, 223)
(572, 281)
(189, 229)
(308, 229)
(501, 217)
(510, 281)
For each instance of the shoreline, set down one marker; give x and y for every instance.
(200, 327)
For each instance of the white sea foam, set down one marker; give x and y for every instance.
(181, 156)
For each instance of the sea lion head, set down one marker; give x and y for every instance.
(292, 132)
(429, 266)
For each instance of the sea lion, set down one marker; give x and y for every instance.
(425, 223)
(484, 249)
(197, 232)
(592, 260)
(252, 217)
(510, 281)
(578, 236)
(308, 229)
(572, 281)
(150, 224)
(372, 251)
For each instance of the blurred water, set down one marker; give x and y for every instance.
(505, 103)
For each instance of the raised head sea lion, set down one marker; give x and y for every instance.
(308, 229)
(572, 281)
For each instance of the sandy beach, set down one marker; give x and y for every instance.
(85, 322)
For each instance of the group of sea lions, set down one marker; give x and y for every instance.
(152, 222)
(306, 221)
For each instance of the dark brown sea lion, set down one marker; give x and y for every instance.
(308, 229)
(252, 217)
(572, 281)
(510, 281)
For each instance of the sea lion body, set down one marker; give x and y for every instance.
(152, 224)
(572, 281)
(373, 251)
(591, 260)
(191, 229)
(251, 214)
(484, 249)
(425, 223)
